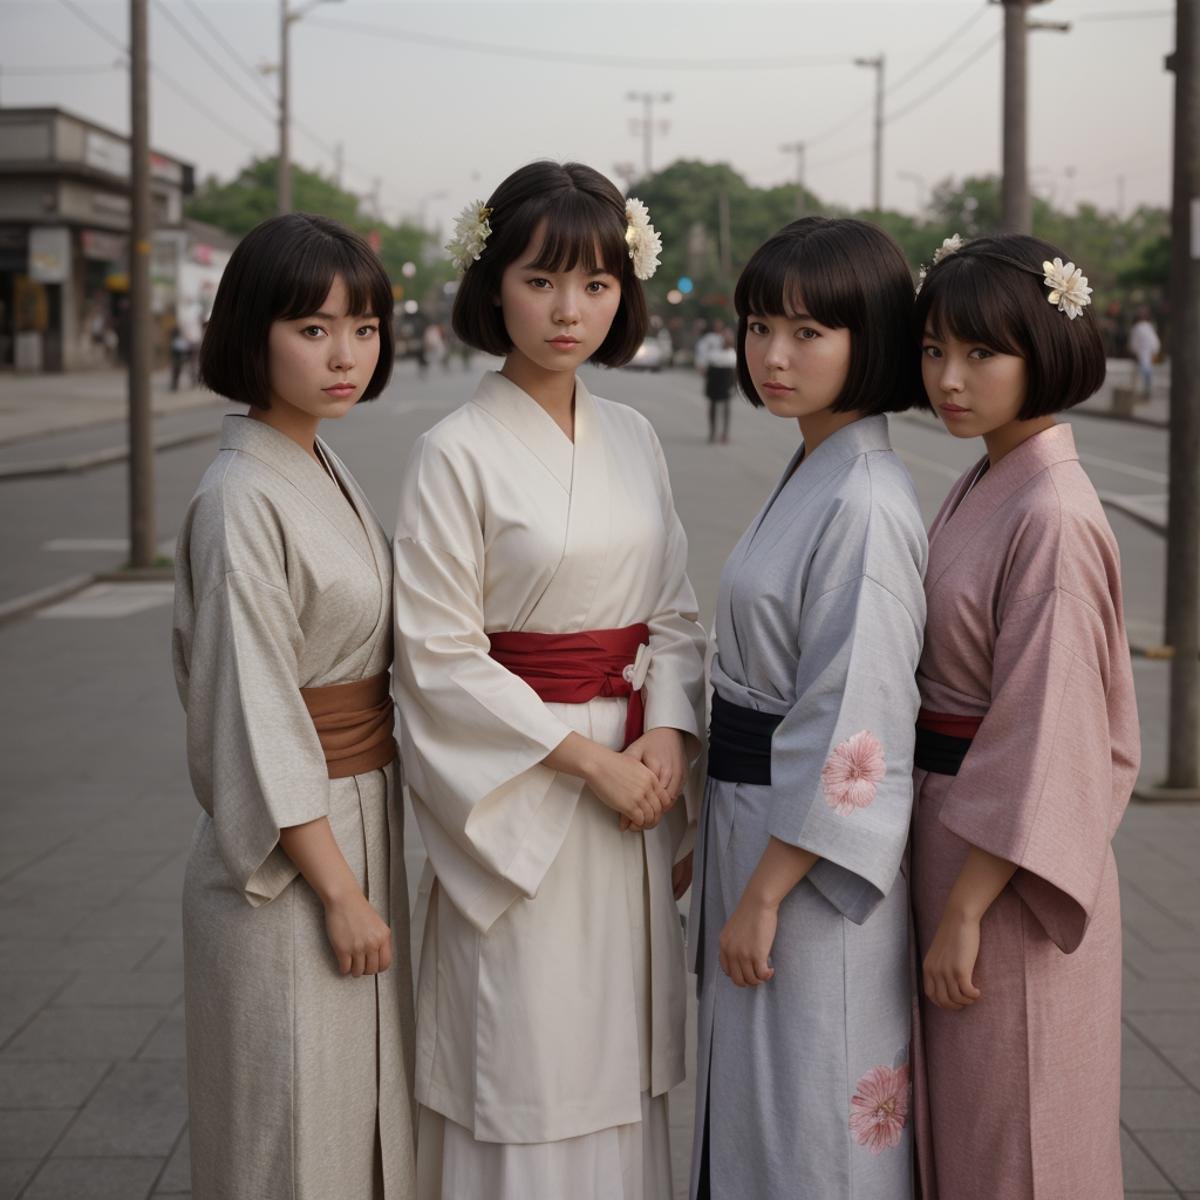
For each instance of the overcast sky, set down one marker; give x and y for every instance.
(439, 123)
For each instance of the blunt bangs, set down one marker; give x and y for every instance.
(991, 294)
(280, 271)
(847, 274)
(580, 216)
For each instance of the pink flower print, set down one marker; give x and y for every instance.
(879, 1108)
(852, 771)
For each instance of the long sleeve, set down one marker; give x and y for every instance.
(255, 759)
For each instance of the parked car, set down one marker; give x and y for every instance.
(649, 357)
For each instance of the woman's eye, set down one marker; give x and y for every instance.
(597, 286)
(931, 352)
(807, 335)
(539, 283)
(312, 331)
(981, 352)
(368, 330)
(756, 327)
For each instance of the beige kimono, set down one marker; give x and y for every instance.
(551, 989)
(298, 1077)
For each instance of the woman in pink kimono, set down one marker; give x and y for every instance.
(1027, 748)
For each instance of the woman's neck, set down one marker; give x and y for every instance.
(818, 426)
(1008, 437)
(295, 424)
(553, 390)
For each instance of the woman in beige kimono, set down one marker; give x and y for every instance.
(550, 686)
(298, 997)
(1027, 748)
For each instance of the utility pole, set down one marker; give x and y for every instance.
(1183, 500)
(645, 125)
(724, 235)
(797, 148)
(339, 161)
(1016, 204)
(141, 421)
(878, 64)
(284, 184)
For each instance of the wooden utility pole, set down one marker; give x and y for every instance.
(1183, 503)
(141, 419)
(646, 125)
(878, 64)
(284, 165)
(797, 148)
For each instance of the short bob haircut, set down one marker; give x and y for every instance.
(847, 275)
(585, 225)
(992, 293)
(280, 271)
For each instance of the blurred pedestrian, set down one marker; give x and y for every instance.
(433, 347)
(720, 381)
(297, 985)
(1144, 345)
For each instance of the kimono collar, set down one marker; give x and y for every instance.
(303, 472)
(528, 421)
(967, 509)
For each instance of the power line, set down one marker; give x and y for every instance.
(1125, 16)
(218, 36)
(931, 58)
(85, 69)
(590, 60)
(953, 75)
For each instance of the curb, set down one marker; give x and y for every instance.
(1126, 418)
(97, 458)
(1160, 794)
(1134, 514)
(23, 605)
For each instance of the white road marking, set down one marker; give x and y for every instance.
(105, 545)
(107, 600)
(1125, 468)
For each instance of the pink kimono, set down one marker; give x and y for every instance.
(1018, 1095)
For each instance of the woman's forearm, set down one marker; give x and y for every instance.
(781, 867)
(314, 850)
(574, 755)
(982, 878)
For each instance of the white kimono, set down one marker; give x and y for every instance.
(552, 986)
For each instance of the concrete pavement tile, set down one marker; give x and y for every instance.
(1139, 1170)
(75, 1033)
(1161, 995)
(48, 1084)
(1160, 964)
(22, 994)
(1177, 1153)
(116, 954)
(169, 1040)
(132, 917)
(139, 1109)
(1186, 1060)
(167, 956)
(30, 1133)
(1143, 1067)
(94, 1179)
(74, 862)
(26, 921)
(121, 988)
(1167, 1030)
(14, 1174)
(166, 883)
(1161, 1108)
(177, 1178)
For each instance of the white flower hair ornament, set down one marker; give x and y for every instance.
(1068, 286)
(471, 232)
(643, 240)
(949, 246)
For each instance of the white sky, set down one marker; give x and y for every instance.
(440, 126)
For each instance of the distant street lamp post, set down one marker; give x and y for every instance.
(797, 148)
(646, 125)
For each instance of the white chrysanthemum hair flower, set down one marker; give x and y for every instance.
(1068, 287)
(949, 246)
(644, 242)
(471, 232)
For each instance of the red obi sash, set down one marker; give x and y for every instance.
(948, 724)
(573, 668)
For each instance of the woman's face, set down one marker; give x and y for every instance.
(973, 389)
(321, 364)
(556, 319)
(798, 365)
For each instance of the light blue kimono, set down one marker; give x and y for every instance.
(803, 1082)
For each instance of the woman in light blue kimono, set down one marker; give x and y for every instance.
(799, 911)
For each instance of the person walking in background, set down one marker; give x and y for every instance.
(1144, 345)
(720, 381)
(1027, 747)
(298, 990)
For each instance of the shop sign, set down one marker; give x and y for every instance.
(49, 255)
(102, 246)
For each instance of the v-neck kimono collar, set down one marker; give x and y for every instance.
(523, 416)
(975, 498)
(303, 472)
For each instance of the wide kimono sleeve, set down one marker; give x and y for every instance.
(254, 757)
(674, 685)
(841, 759)
(1050, 770)
(473, 734)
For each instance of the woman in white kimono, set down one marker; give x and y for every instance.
(799, 925)
(545, 624)
(299, 1006)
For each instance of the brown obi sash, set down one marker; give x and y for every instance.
(943, 740)
(354, 722)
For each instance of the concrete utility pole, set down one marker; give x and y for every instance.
(141, 420)
(1016, 204)
(797, 148)
(878, 64)
(645, 126)
(1183, 504)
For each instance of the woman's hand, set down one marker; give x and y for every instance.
(746, 941)
(662, 751)
(629, 788)
(950, 962)
(361, 939)
(681, 875)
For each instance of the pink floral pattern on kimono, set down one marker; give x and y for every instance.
(852, 772)
(879, 1108)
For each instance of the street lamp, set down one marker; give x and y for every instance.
(287, 17)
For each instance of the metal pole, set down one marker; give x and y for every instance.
(797, 148)
(141, 420)
(1016, 210)
(877, 190)
(726, 249)
(647, 133)
(1183, 504)
(284, 185)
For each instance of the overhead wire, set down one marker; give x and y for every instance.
(215, 33)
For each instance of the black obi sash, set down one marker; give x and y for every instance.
(739, 743)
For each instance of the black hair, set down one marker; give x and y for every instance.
(280, 271)
(853, 276)
(585, 223)
(992, 293)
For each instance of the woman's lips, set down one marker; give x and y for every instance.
(779, 389)
(953, 410)
(564, 343)
(340, 391)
